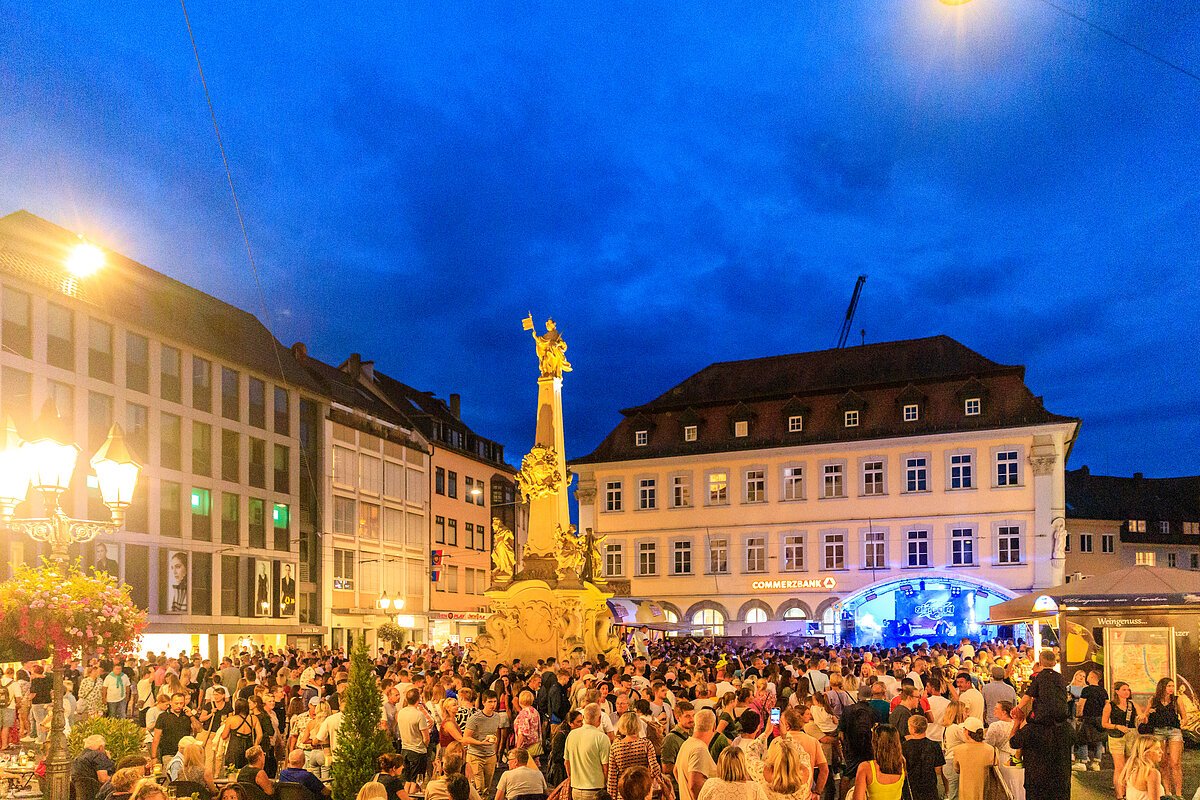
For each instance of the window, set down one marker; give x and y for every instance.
(834, 547)
(756, 614)
(1164, 528)
(283, 469)
(961, 476)
(452, 531)
(612, 496)
(202, 514)
(1195, 561)
(393, 525)
(370, 474)
(344, 515)
(971, 406)
(1137, 526)
(100, 418)
(681, 491)
(916, 474)
(718, 556)
(614, 561)
(851, 419)
(60, 336)
(439, 480)
(258, 463)
(201, 384)
(646, 559)
(469, 488)
(647, 494)
(873, 478)
(231, 531)
(231, 456)
(258, 522)
(718, 488)
(911, 412)
(169, 453)
(834, 483)
(1067, 543)
(681, 558)
(100, 350)
(169, 521)
(201, 448)
(795, 423)
(16, 394)
(1191, 528)
(741, 428)
(1008, 544)
(439, 530)
(756, 486)
(393, 479)
(874, 549)
(1007, 468)
(918, 548)
(793, 483)
(710, 619)
(452, 484)
(258, 402)
(962, 547)
(756, 554)
(641, 438)
(793, 552)
(17, 337)
(169, 374)
(137, 362)
(343, 569)
(231, 394)
(1144, 558)
(283, 417)
(795, 612)
(1171, 560)
(689, 433)
(137, 422)
(1108, 543)
(368, 521)
(1085, 543)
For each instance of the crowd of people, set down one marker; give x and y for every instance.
(680, 719)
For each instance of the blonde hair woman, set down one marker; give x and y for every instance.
(732, 780)
(372, 791)
(1141, 777)
(787, 772)
(952, 719)
(194, 769)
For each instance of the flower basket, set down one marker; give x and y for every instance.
(61, 611)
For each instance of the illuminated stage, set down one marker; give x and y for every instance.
(935, 609)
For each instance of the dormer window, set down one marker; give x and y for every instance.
(912, 412)
(1137, 526)
(641, 438)
(741, 428)
(795, 423)
(971, 406)
(851, 419)
(689, 433)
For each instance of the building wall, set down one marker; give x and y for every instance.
(174, 479)
(461, 530)
(376, 525)
(985, 508)
(1094, 547)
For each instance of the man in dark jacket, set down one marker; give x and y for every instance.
(1042, 732)
(559, 700)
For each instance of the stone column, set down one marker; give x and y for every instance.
(1047, 471)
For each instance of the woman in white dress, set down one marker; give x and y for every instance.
(732, 781)
(1141, 777)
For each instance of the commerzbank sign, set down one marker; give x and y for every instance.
(828, 584)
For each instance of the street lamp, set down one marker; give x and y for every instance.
(386, 602)
(45, 463)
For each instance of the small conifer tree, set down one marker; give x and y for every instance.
(360, 741)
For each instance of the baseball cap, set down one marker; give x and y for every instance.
(314, 701)
(972, 724)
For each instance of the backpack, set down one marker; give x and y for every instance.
(5, 695)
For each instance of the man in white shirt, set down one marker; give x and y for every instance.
(723, 684)
(818, 681)
(585, 754)
(693, 764)
(327, 734)
(969, 696)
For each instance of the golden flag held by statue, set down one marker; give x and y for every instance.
(527, 323)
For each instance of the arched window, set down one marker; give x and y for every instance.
(671, 616)
(829, 622)
(795, 613)
(710, 618)
(756, 615)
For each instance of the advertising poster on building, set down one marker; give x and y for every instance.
(179, 571)
(287, 591)
(106, 557)
(262, 588)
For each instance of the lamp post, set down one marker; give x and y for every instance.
(45, 463)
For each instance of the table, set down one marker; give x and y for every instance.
(17, 780)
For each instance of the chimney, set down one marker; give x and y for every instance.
(1084, 471)
(1137, 476)
(456, 405)
(299, 351)
(368, 370)
(353, 365)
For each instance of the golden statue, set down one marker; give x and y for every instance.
(595, 558)
(570, 553)
(551, 348)
(539, 475)
(504, 559)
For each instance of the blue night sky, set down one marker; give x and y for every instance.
(676, 183)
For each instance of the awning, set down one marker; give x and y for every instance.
(1136, 587)
(633, 611)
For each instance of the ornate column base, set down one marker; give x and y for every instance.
(534, 619)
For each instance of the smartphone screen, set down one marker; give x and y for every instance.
(774, 716)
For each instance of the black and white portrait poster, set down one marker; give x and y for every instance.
(262, 588)
(106, 557)
(287, 590)
(178, 577)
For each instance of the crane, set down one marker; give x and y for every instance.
(850, 311)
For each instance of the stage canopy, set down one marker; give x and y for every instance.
(1138, 587)
(634, 611)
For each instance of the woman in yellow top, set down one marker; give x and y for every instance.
(883, 778)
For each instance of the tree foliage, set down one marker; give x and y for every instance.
(360, 741)
(391, 633)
